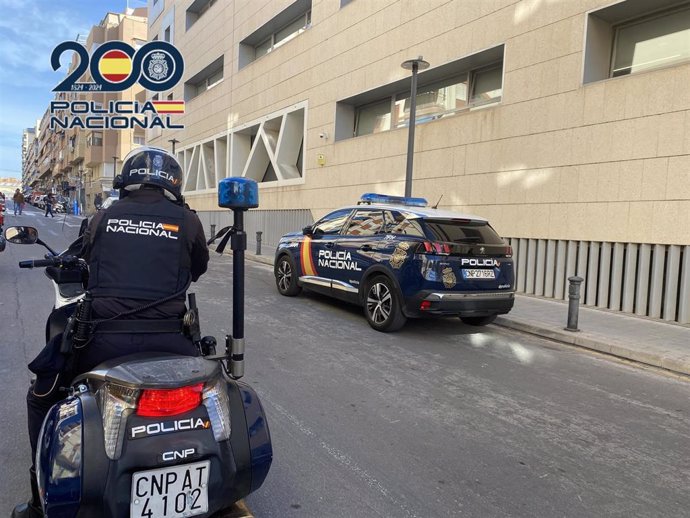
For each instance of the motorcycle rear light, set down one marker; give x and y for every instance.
(116, 403)
(167, 402)
(217, 405)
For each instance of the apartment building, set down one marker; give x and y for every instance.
(82, 162)
(565, 122)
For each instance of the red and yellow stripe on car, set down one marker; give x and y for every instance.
(168, 106)
(115, 66)
(306, 260)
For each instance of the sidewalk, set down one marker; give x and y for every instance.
(638, 339)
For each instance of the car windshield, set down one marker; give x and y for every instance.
(453, 231)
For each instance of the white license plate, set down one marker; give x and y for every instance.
(478, 274)
(170, 492)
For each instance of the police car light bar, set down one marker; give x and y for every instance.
(371, 197)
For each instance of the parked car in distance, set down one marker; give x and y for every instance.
(398, 258)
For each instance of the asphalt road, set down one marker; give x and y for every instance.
(437, 420)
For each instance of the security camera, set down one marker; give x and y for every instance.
(323, 135)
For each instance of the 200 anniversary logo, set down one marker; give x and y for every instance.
(116, 66)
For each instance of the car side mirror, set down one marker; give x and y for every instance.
(307, 231)
(22, 235)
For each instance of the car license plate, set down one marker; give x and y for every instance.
(170, 492)
(478, 274)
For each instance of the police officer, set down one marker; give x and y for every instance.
(143, 252)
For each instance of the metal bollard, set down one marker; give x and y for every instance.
(213, 230)
(573, 302)
(258, 242)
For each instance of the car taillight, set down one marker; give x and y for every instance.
(430, 247)
(167, 402)
(426, 304)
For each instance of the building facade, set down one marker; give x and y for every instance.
(83, 162)
(566, 123)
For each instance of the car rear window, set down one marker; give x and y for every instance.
(463, 232)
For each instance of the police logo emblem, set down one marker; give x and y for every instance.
(157, 162)
(158, 66)
(399, 255)
(449, 279)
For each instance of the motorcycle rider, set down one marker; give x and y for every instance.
(147, 247)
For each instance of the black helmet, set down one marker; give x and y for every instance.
(151, 166)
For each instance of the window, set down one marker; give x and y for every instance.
(204, 80)
(284, 27)
(332, 223)
(457, 232)
(651, 43)
(139, 141)
(365, 223)
(434, 101)
(397, 223)
(166, 34)
(447, 90)
(196, 10)
(94, 139)
(636, 36)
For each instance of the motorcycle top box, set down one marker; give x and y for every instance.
(152, 436)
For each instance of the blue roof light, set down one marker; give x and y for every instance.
(371, 197)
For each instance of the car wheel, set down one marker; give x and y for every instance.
(478, 321)
(382, 306)
(286, 277)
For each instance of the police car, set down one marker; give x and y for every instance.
(398, 258)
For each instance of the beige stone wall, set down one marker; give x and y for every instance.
(556, 159)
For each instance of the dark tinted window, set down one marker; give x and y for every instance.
(397, 223)
(333, 222)
(365, 223)
(462, 232)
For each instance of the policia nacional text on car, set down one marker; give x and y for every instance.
(143, 253)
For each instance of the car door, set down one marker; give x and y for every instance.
(317, 248)
(357, 249)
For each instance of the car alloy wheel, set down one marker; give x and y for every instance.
(284, 276)
(379, 303)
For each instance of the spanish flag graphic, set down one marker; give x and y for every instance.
(306, 260)
(115, 66)
(168, 106)
(171, 228)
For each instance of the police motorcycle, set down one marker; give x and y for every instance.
(152, 435)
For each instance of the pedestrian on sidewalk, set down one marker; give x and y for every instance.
(50, 199)
(98, 201)
(18, 200)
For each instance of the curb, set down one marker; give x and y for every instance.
(264, 259)
(670, 362)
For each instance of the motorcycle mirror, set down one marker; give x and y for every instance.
(22, 235)
(307, 230)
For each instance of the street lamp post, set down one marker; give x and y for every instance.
(173, 141)
(414, 65)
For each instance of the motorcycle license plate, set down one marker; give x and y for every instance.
(478, 274)
(170, 492)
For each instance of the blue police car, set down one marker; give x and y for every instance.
(398, 258)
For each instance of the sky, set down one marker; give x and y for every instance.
(29, 30)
